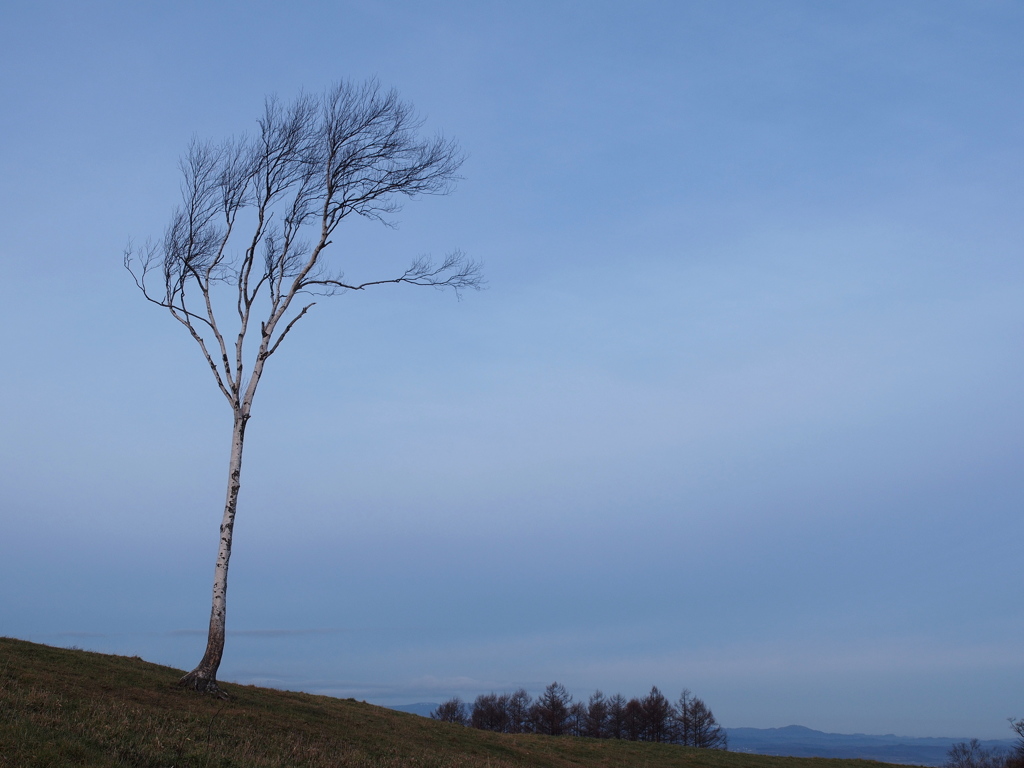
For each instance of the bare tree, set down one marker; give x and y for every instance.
(973, 755)
(518, 711)
(658, 716)
(684, 723)
(597, 716)
(1018, 727)
(577, 723)
(246, 253)
(490, 712)
(696, 725)
(634, 720)
(451, 711)
(1016, 758)
(550, 713)
(616, 728)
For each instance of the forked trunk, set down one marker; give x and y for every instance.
(204, 676)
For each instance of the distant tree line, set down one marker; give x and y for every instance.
(971, 754)
(688, 721)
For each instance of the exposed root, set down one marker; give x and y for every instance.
(197, 681)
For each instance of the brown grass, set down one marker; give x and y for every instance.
(62, 707)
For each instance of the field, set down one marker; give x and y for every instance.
(63, 707)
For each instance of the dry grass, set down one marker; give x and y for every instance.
(61, 707)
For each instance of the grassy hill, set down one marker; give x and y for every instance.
(61, 707)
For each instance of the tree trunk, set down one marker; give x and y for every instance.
(204, 677)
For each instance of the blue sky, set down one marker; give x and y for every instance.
(740, 410)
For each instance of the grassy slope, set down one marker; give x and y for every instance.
(66, 707)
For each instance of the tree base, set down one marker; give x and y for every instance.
(198, 681)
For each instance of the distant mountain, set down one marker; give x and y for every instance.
(798, 741)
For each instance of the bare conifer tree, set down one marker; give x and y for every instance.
(696, 725)
(1016, 758)
(635, 722)
(577, 723)
(451, 711)
(490, 712)
(617, 716)
(247, 252)
(597, 716)
(550, 712)
(658, 716)
(519, 712)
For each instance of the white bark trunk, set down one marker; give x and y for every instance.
(204, 676)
